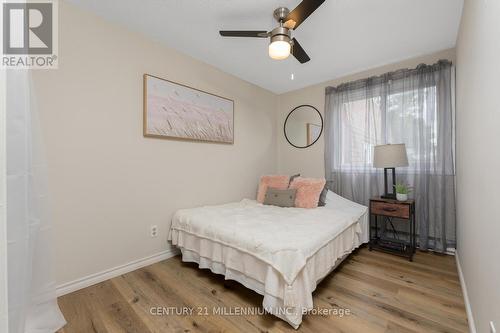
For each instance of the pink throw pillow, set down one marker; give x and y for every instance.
(279, 182)
(308, 191)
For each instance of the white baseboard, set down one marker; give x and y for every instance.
(92, 279)
(468, 309)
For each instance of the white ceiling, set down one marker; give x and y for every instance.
(341, 37)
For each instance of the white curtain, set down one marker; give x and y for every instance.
(31, 289)
(411, 106)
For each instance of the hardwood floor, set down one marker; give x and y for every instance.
(383, 293)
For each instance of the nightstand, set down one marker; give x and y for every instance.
(383, 211)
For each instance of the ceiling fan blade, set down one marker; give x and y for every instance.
(244, 33)
(299, 53)
(301, 12)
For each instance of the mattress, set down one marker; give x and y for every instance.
(281, 253)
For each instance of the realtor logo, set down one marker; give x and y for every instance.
(29, 37)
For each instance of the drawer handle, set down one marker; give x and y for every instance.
(388, 209)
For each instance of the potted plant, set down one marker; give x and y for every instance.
(402, 191)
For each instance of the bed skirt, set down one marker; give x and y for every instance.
(259, 276)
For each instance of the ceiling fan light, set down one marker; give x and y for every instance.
(279, 49)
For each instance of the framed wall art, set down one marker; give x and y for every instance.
(173, 110)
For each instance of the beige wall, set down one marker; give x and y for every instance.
(108, 183)
(310, 161)
(478, 158)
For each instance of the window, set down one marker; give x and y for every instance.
(402, 117)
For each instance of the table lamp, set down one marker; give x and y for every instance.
(389, 157)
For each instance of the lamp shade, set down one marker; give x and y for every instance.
(390, 156)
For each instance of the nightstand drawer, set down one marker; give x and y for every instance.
(390, 209)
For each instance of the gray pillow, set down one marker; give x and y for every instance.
(280, 198)
(322, 197)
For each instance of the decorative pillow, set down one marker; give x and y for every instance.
(280, 198)
(322, 197)
(279, 182)
(292, 178)
(308, 191)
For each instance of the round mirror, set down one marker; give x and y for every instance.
(303, 126)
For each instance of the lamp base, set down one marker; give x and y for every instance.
(386, 194)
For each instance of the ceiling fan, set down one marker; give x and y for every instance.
(281, 41)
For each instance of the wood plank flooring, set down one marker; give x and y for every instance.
(383, 293)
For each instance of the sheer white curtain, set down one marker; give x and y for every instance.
(3, 222)
(411, 106)
(31, 289)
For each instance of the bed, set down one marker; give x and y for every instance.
(281, 253)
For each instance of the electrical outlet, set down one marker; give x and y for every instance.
(492, 327)
(154, 231)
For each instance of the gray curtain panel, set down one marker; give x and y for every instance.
(411, 106)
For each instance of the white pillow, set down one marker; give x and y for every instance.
(331, 197)
(333, 200)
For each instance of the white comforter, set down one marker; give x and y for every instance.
(282, 237)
